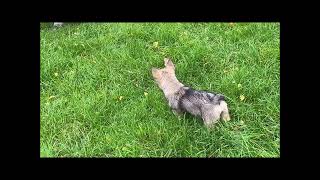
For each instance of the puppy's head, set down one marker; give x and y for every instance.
(166, 73)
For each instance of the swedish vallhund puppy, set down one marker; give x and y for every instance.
(209, 106)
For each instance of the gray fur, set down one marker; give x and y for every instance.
(206, 105)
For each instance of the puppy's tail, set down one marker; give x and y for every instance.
(220, 97)
(225, 111)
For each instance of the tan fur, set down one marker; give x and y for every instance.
(166, 78)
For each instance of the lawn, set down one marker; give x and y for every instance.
(98, 98)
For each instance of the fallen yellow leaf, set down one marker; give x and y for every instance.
(155, 44)
(52, 97)
(145, 93)
(242, 97)
(120, 98)
(56, 74)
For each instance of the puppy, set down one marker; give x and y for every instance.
(207, 105)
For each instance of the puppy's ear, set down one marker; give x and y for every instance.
(168, 62)
(154, 71)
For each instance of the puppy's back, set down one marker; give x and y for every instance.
(192, 101)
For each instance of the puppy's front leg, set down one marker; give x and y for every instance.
(177, 112)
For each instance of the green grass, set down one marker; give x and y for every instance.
(86, 68)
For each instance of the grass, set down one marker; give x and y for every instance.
(98, 98)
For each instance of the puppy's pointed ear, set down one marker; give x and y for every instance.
(168, 62)
(154, 71)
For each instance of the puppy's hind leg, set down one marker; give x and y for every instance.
(177, 112)
(210, 114)
(225, 112)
